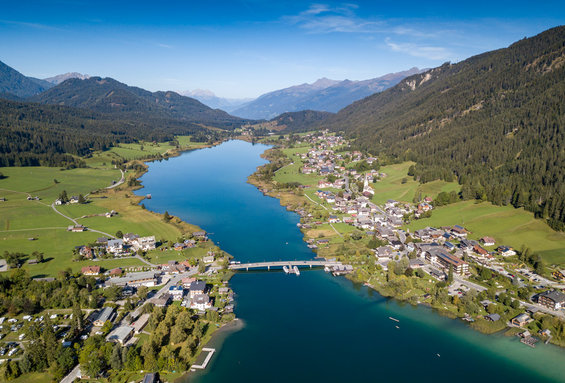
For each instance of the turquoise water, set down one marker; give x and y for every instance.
(316, 327)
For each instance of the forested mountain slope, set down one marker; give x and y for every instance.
(33, 134)
(111, 97)
(495, 121)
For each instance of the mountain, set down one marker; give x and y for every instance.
(108, 96)
(495, 122)
(324, 95)
(300, 121)
(56, 80)
(210, 99)
(13, 83)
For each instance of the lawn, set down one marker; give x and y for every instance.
(399, 186)
(291, 173)
(507, 225)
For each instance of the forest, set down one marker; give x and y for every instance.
(494, 123)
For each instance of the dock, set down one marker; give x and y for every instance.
(202, 366)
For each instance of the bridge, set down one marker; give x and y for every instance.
(268, 265)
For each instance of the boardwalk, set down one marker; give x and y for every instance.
(268, 265)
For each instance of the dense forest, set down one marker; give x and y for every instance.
(300, 121)
(33, 134)
(118, 100)
(494, 122)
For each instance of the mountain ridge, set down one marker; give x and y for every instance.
(322, 95)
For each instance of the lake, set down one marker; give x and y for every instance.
(316, 327)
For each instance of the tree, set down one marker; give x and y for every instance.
(119, 234)
(81, 199)
(167, 217)
(201, 267)
(64, 197)
(450, 274)
(116, 358)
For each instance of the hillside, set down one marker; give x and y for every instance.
(300, 121)
(324, 95)
(113, 98)
(495, 122)
(33, 134)
(13, 83)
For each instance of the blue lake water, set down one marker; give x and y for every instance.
(316, 327)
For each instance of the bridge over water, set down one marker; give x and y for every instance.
(268, 265)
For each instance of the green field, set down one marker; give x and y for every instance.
(291, 173)
(22, 220)
(507, 225)
(392, 187)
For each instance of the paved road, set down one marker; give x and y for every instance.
(121, 181)
(76, 223)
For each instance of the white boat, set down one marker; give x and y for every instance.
(296, 271)
(285, 269)
(394, 319)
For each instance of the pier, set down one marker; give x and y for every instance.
(289, 264)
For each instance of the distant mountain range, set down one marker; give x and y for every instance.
(56, 80)
(323, 95)
(208, 97)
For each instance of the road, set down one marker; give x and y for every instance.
(121, 181)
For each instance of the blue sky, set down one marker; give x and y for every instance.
(243, 48)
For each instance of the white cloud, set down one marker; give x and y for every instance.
(418, 50)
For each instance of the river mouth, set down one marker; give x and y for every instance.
(315, 327)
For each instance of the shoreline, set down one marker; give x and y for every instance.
(286, 199)
(236, 324)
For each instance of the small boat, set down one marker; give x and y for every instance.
(394, 319)
(396, 326)
(285, 269)
(438, 355)
(296, 271)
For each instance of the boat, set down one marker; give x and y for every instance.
(296, 271)
(285, 269)
(394, 319)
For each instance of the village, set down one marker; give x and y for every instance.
(447, 254)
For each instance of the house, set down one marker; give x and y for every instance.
(488, 241)
(552, 299)
(144, 243)
(505, 251)
(73, 199)
(384, 252)
(90, 270)
(162, 301)
(200, 302)
(186, 282)
(130, 237)
(120, 335)
(177, 292)
(151, 378)
(76, 228)
(196, 288)
(492, 317)
(140, 323)
(201, 235)
(521, 320)
(115, 245)
(446, 260)
(146, 278)
(105, 315)
(459, 231)
(3, 265)
(86, 252)
(208, 259)
(416, 263)
(333, 219)
(479, 250)
(115, 272)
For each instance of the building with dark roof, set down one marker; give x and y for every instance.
(447, 260)
(552, 299)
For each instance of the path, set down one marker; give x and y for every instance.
(307, 196)
(121, 181)
(252, 265)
